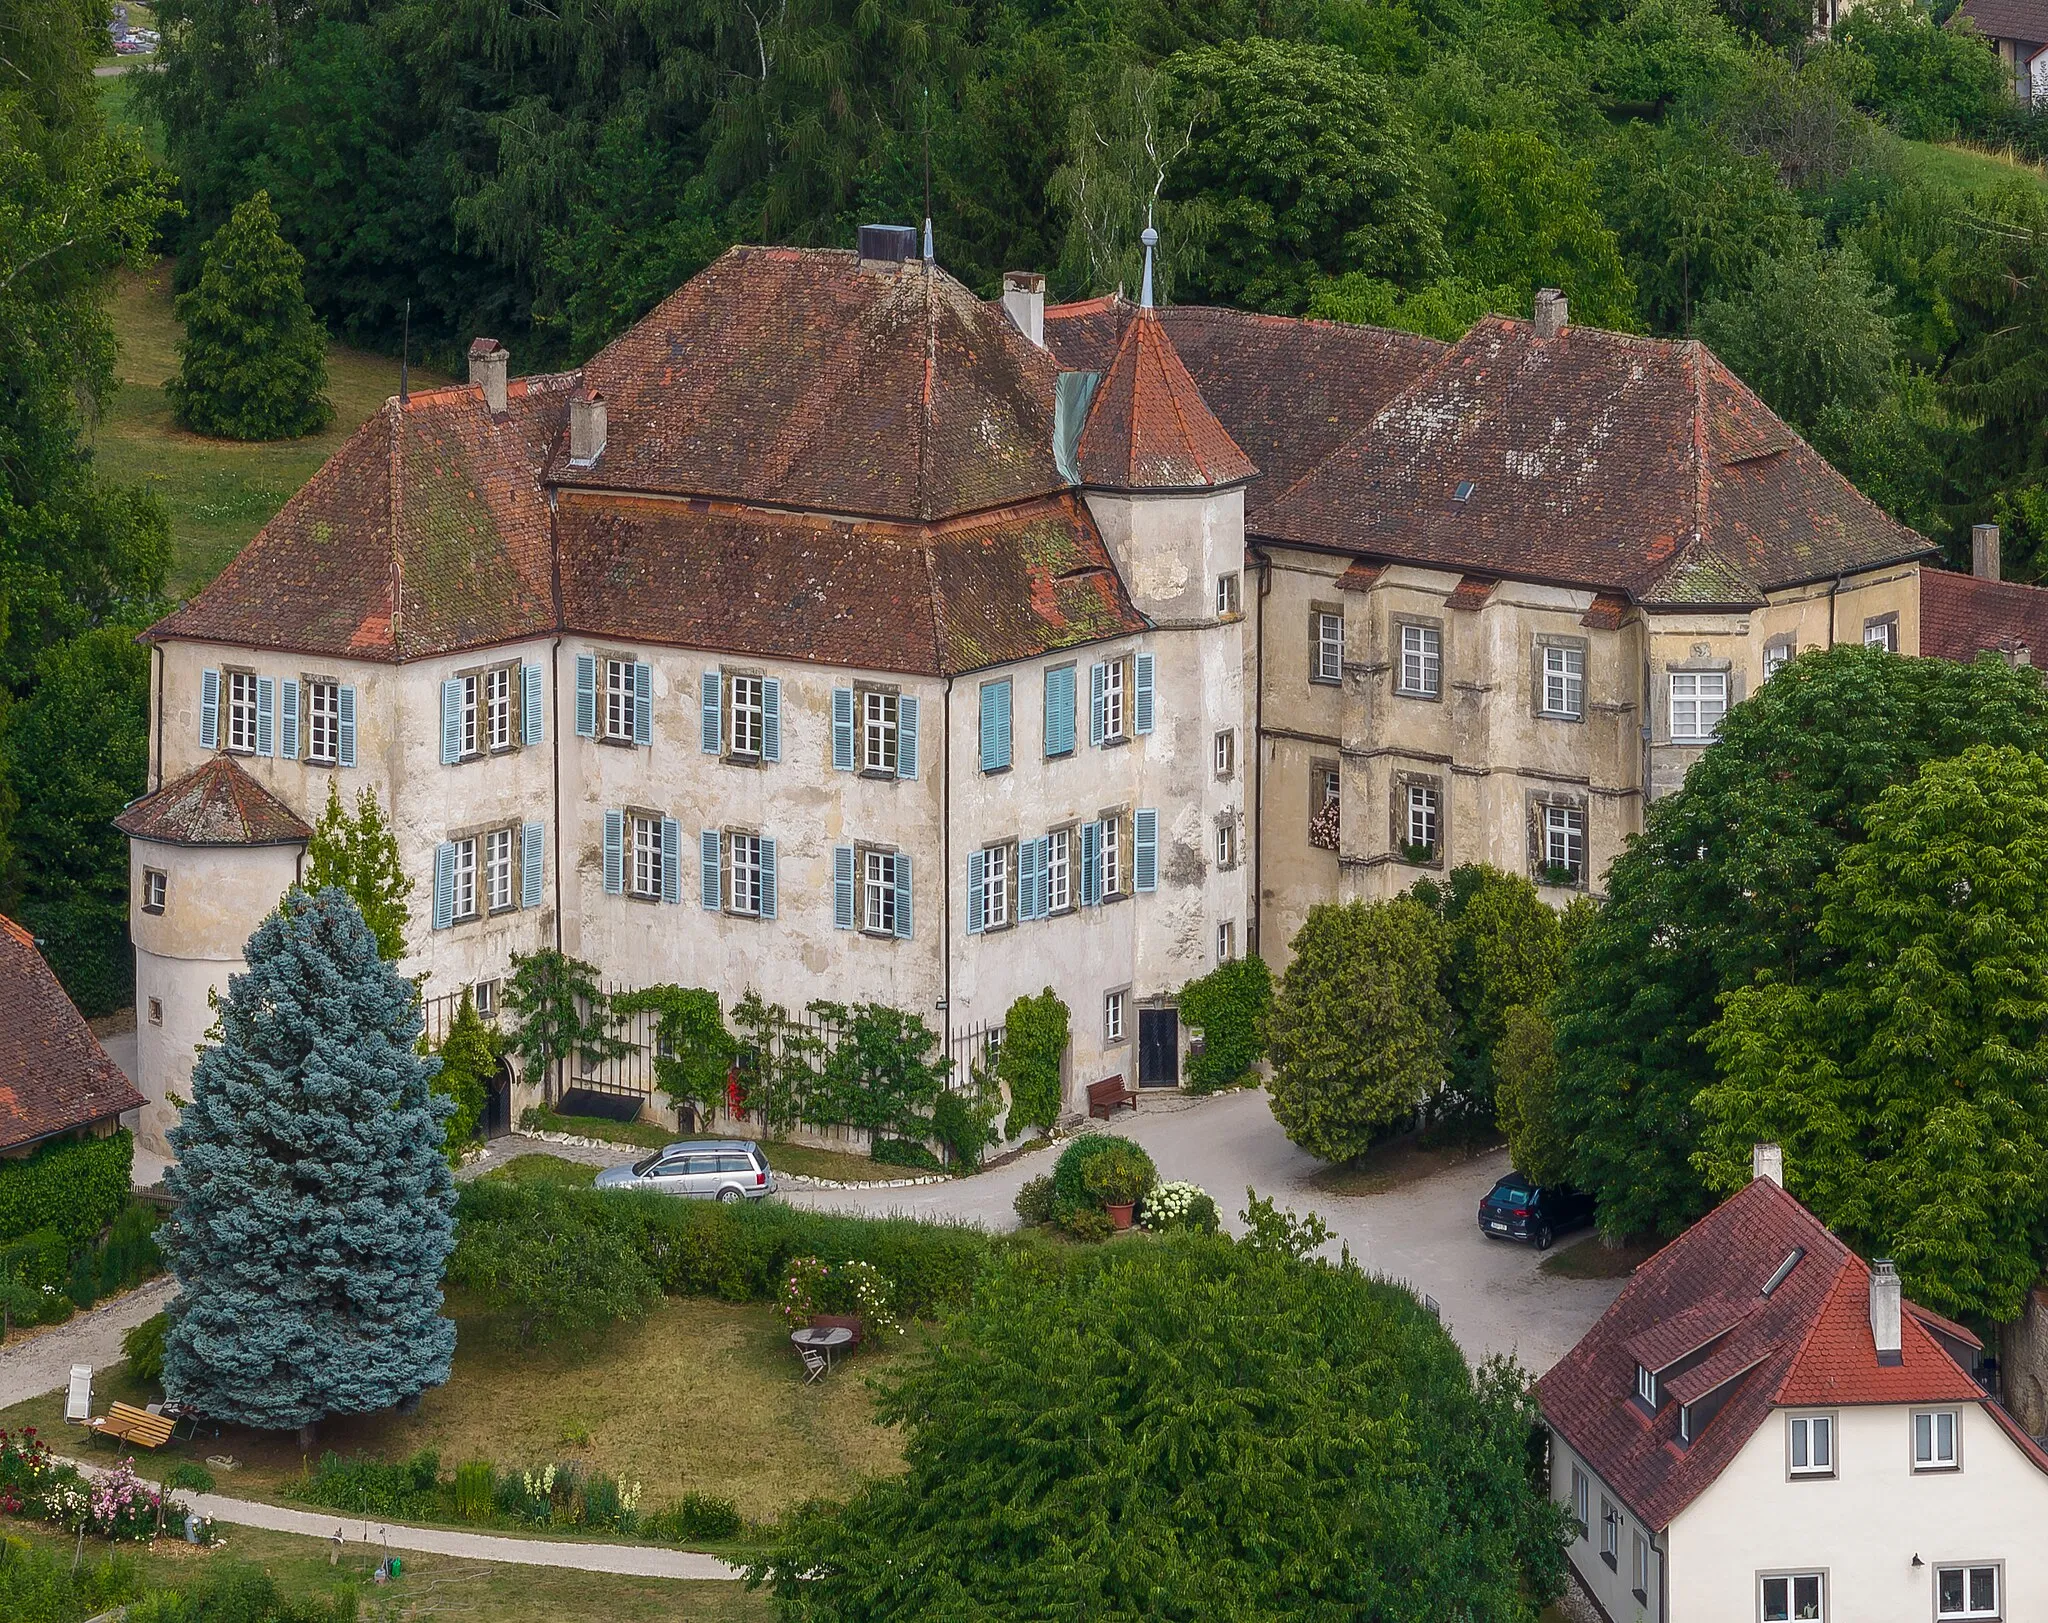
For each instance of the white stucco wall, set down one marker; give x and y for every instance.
(1613, 1587)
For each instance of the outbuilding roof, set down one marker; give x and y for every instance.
(1962, 616)
(216, 803)
(2023, 20)
(54, 1076)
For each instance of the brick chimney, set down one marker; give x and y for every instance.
(1984, 551)
(586, 428)
(487, 362)
(1024, 302)
(1551, 312)
(1884, 1312)
(1767, 1161)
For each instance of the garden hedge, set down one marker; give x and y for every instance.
(76, 1188)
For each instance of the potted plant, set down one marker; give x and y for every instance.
(1559, 873)
(1118, 1179)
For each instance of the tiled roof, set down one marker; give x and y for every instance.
(216, 803)
(1605, 613)
(809, 379)
(1471, 593)
(426, 533)
(1806, 1343)
(1149, 428)
(1359, 576)
(2025, 20)
(919, 599)
(1631, 465)
(1962, 616)
(1288, 392)
(54, 1075)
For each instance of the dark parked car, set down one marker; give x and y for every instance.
(1518, 1208)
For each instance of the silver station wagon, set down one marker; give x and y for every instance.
(715, 1169)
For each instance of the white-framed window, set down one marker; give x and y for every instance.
(647, 856)
(749, 712)
(242, 712)
(1329, 628)
(1227, 599)
(1882, 633)
(1564, 681)
(1610, 1531)
(995, 887)
(878, 892)
(1113, 1017)
(1226, 941)
(467, 714)
(1639, 1567)
(1812, 1443)
(463, 890)
(1226, 752)
(1564, 842)
(323, 722)
(878, 719)
(1777, 655)
(1646, 1385)
(498, 708)
(1422, 816)
(1226, 845)
(1112, 858)
(620, 698)
(1934, 1440)
(1059, 870)
(1699, 699)
(1582, 1494)
(743, 877)
(1787, 1596)
(1113, 700)
(484, 998)
(155, 886)
(1967, 1591)
(498, 870)
(1329, 786)
(1422, 661)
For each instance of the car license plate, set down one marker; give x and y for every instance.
(1498, 1228)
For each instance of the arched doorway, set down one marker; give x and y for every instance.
(497, 1117)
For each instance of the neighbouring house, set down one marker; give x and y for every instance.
(1762, 1427)
(2018, 31)
(1964, 617)
(56, 1082)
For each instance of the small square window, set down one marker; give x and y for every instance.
(1934, 1440)
(1422, 662)
(1812, 1442)
(484, 996)
(156, 1011)
(1226, 753)
(1564, 681)
(1699, 699)
(1777, 655)
(1226, 844)
(1794, 1597)
(1227, 599)
(1113, 1018)
(155, 886)
(1967, 1591)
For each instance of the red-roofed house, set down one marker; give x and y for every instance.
(55, 1079)
(1762, 1428)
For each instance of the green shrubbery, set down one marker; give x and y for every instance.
(906, 1152)
(76, 1188)
(143, 1347)
(1095, 1171)
(1228, 1007)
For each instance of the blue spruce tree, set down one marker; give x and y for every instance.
(316, 1207)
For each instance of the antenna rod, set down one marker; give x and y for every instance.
(927, 175)
(405, 356)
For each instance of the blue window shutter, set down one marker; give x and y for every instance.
(266, 715)
(1091, 864)
(903, 894)
(1003, 718)
(767, 879)
(1059, 711)
(209, 710)
(532, 706)
(444, 885)
(712, 688)
(671, 861)
(710, 874)
(1141, 694)
(1145, 850)
(906, 737)
(643, 704)
(995, 726)
(288, 730)
(977, 872)
(614, 853)
(451, 721)
(842, 887)
(1098, 675)
(1027, 879)
(1044, 845)
(345, 725)
(842, 729)
(533, 846)
(771, 719)
(586, 695)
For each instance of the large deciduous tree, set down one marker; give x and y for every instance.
(315, 1208)
(1909, 1088)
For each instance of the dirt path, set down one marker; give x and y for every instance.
(42, 1363)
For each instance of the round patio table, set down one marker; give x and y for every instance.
(823, 1340)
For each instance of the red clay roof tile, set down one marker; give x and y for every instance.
(1962, 616)
(54, 1076)
(1149, 428)
(1471, 593)
(216, 803)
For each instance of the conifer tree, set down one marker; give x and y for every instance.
(316, 1210)
(360, 854)
(255, 358)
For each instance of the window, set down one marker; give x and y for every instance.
(749, 712)
(1610, 1532)
(1112, 858)
(1422, 661)
(1226, 844)
(1226, 752)
(1059, 889)
(1226, 941)
(878, 892)
(1777, 655)
(323, 722)
(1226, 594)
(1582, 1490)
(1422, 818)
(1113, 1018)
(878, 723)
(1813, 1445)
(1883, 632)
(744, 880)
(1564, 845)
(156, 1011)
(1564, 681)
(1329, 644)
(154, 885)
(1639, 1568)
(619, 700)
(995, 887)
(463, 890)
(484, 996)
(1792, 1595)
(498, 708)
(1934, 1441)
(1113, 700)
(647, 855)
(1966, 1591)
(466, 715)
(1699, 699)
(1646, 1385)
(242, 712)
(1329, 786)
(498, 869)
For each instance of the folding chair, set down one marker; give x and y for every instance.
(78, 1401)
(815, 1364)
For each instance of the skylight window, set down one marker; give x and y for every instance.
(1464, 491)
(1784, 1269)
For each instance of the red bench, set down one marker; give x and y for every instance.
(1108, 1095)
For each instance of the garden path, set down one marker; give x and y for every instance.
(42, 1362)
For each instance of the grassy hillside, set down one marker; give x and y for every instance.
(219, 492)
(1970, 168)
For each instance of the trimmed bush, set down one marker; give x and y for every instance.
(143, 1347)
(1035, 1201)
(1229, 1007)
(76, 1188)
(904, 1152)
(190, 1474)
(1070, 1172)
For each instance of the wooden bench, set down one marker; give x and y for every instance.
(1108, 1095)
(133, 1425)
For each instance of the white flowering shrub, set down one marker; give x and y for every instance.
(1179, 1205)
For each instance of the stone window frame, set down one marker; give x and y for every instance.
(1317, 610)
(862, 692)
(729, 711)
(1117, 998)
(606, 659)
(862, 850)
(1427, 622)
(1008, 849)
(1699, 662)
(229, 676)
(308, 681)
(156, 887)
(1230, 595)
(1322, 771)
(1226, 941)
(1397, 816)
(1536, 804)
(728, 855)
(1886, 623)
(629, 854)
(156, 1011)
(1539, 681)
(480, 675)
(1123, 820)
(1227, 828)
(1070, 833)
(1223, 754)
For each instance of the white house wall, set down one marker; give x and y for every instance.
(1613, 1587)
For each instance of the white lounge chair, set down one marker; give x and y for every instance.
(78, 1401)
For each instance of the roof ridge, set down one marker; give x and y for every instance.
(1180, 416)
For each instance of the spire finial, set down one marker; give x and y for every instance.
(1150, 238)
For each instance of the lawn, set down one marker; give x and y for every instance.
(1395, 1163)
(219, 492)
(435, 1586)
(804, 1160)
(1971, 169)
